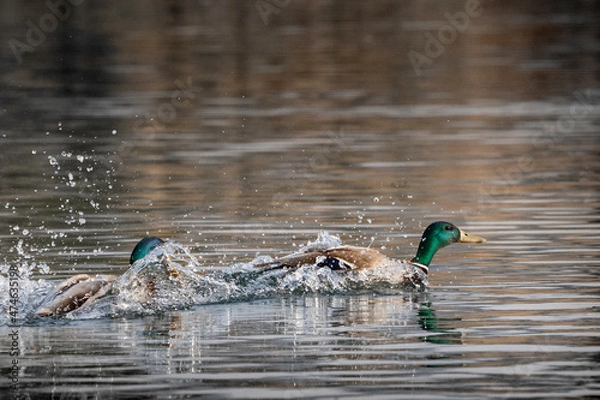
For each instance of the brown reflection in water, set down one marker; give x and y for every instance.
(313, 114)
(325, 53)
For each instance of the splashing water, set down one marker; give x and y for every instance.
(171, 278)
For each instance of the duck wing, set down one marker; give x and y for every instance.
(292, 261)
(357, 257)
(342, 258)
(74, 293)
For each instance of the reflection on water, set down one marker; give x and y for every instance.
(243, 130)
(301, 345)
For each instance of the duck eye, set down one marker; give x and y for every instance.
(448, 227)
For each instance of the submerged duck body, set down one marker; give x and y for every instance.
(351, 258)
(82, 290)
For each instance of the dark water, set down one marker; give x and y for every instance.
(241, 130)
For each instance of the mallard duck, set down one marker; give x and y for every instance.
(81, 290)
(349, 258)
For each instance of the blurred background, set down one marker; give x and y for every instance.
(247, 126)
(242, 129)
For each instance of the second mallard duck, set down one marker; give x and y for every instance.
(348, 258)
(83, 289)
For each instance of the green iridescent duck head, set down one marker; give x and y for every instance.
(144, 247)
(441, 234)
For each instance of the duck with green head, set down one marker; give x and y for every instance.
(347, 258)
(81, 290)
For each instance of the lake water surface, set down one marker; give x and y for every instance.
(238, 133)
